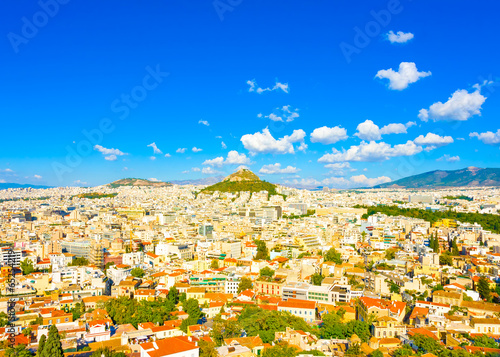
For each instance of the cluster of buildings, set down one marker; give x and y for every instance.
(73, 252)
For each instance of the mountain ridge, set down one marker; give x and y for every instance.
(137, 182)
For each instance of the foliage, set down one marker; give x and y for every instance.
(256, 321)
(309, 213)
(317, 279)
(95, 195)
(137, 273)
(434, 243)
(27, 267)
(77, 311)
(394, 288)
(403, 351)
(214, 264)
(304, 254)
(262, 251)
(461, 197)
(245, 283)
(281, 349)
(4, 319)
(487, 221)
(245, 186)
(454, 248)
(354, 350)
(53, 346)
(79, 262)
(41, 346)
(312, 353)
(18, 351)
(130, 311)
(207, 349)
(485, 341)
(332, 256)
(173, 295)
(376, 353)
(483, 288)
(332, 327)
(223, 329)
(266, 271)
(390, 254)
(192, 308)
(446, 259)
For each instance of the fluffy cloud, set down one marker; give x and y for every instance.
(109, 154)
(204, 122)
(461, 106)
(488, 137)
(152, 158)
(326, 135)
(362, 180)
(38, 177)
(264, 142)
(449, 158)
(7, 170)
(433, 141)
(276, 169)
(224, 146)
(209, 171)
(155, 148)
(372, 151)
(406, 74)
(167, 155)
(181, 150)
(399, 37)
(285, 113)
(255, 88)
(370, 131)
(338, 166)
(195, 149)
(233, 158)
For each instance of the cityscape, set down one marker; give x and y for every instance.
(235, 178)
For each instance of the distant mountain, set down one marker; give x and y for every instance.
(468, 177)
(6, 185)
(242, 180)
(201, 181)
(138, 182)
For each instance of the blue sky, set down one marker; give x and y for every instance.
(186, 75)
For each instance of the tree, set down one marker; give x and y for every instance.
(18, 351)
(207, 349)
(137, 273)
(53, 346)
(485, 341)
(223, 329)
(41, 346)
(332, 256)
(394, 288)
(262, 251)
(4, 319)
(390, 254)
(245, 283)
(377, 353)
(27, 331)
(354, 350)
(317, 279)
(266, 271)
(173, 295)
(79, 262)
(27, 267)
(483, 288)
(214, 264)
(404, 351)
(107, 352)
(446, 259)
(192, 308)
(281, 349)
(454, 248)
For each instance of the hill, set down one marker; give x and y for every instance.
(242, 180)
(138, 182)
(200, 181)
(468, 177)
(6, 185)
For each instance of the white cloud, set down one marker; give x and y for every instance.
(2, 181)
(167, 155)
(233, 158)
(155, 148)
(153, 179)
(326, 135)
(372, 151)
(79, 182)
(152, 158)
(224, 146)
(449, 158)
(7, 170)
(399, 37)
(209, 171)
(308, 183)
(195, 149)
(339, 182)
(255, 88)
(285, 113)
(196, 169)
(338, 166)
(370, 131)
(362, 180)
(181, 150)
(204, 122)
(109, 154)
(302, 147)
(461, 106)
(274, 169)
(406, 74)
(433, 141)
(264, 142)
(489, 138)
(38, 177)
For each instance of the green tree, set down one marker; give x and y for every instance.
(485, 341)
(245, 283)
(332, 256)
(317, 279)
(281, 349)
(173, 295)
(137, 273)
(27, 266)
(483, 288)
(454, 248)
(214, 264)
(4, 319)
(207, 349)
(266, 271)
(446, 259)
(79, 261)
(262, 251)
(107, 352)
(377, 353)
(390, 254)
(53, 346)
(404, 351)
(192, 308)
(41, 346)
(223, 329)
(394, 288)
(18, 351)
(354, 350)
